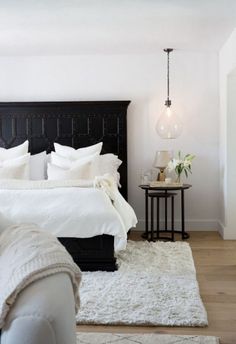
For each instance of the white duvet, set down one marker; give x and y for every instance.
(74, 208)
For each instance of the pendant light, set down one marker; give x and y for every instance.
(168, 126)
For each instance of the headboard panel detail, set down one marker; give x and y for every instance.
(76, 124)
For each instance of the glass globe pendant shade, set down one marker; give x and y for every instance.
(169, 125)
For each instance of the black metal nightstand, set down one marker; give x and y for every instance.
(164, 192)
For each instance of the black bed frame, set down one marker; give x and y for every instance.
(76, 124)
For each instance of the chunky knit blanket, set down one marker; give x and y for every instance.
(26, 255)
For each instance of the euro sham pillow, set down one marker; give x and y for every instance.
(17, 168)
(75, 154)
(38, 166)
(15, 152)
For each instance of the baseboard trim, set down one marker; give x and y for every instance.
(190, 225)
(221, 229)
(226, 233)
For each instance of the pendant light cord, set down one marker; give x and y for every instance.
(168, 101)
(168, 75)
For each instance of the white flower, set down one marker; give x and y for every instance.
(173, 164)
(187, 163)
(178, 162)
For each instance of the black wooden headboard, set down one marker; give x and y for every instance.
(76, 124)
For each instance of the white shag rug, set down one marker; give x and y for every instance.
(118, 338)
(154, 285)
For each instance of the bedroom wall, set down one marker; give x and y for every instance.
(227, 66)
(140, 78)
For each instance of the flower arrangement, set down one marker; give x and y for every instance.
(181, 165)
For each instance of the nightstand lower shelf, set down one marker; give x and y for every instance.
(185, 235)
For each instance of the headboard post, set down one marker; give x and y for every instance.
(76, 124)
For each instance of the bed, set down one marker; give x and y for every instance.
(75, 124)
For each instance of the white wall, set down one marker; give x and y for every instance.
(231, 159)
(140, 78)
(227, 64)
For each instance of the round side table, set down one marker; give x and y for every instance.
(165, 190)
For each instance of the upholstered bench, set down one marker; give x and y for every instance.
(44, 313)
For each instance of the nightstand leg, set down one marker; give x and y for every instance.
(172, 219)
(166, 211)
(158, 218)
(182, 214)
(152, 218)
(146, 214)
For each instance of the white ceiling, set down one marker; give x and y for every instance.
(49, 27)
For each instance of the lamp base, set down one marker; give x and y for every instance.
(161, 175)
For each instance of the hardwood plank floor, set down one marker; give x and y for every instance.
(215, 261)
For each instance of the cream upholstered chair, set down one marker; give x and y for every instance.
(44, 313)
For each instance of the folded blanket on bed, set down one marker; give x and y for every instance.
(26, 255)
(19, 184)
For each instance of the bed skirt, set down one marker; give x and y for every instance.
(92, 254)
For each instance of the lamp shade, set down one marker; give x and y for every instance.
(162, 159)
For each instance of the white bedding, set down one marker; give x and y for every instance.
(69, 208)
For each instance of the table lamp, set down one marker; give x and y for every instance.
(161, 161)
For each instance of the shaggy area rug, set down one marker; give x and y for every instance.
(109, 338)
(155, 285)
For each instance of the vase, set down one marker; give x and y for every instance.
(178, 179)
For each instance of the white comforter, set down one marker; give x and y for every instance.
(79, 209)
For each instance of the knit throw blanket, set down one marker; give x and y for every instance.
(27, 255)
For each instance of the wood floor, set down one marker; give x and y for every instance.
(215, 261)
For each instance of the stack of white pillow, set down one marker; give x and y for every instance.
(65, 163)
(14, 162)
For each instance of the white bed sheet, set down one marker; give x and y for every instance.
(67, 211)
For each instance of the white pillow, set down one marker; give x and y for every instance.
(61, 161)
(17, 168)
(107, 163)
(15, 152)
(74, 154)
(80, 171)
(66, 163)
(38, 166)
(101, 164)
(24, 159)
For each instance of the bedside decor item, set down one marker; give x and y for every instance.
(146, 177)
(181, 165)
(161, 161)
(168, 126)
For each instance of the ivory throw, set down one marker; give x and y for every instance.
(28, 254)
